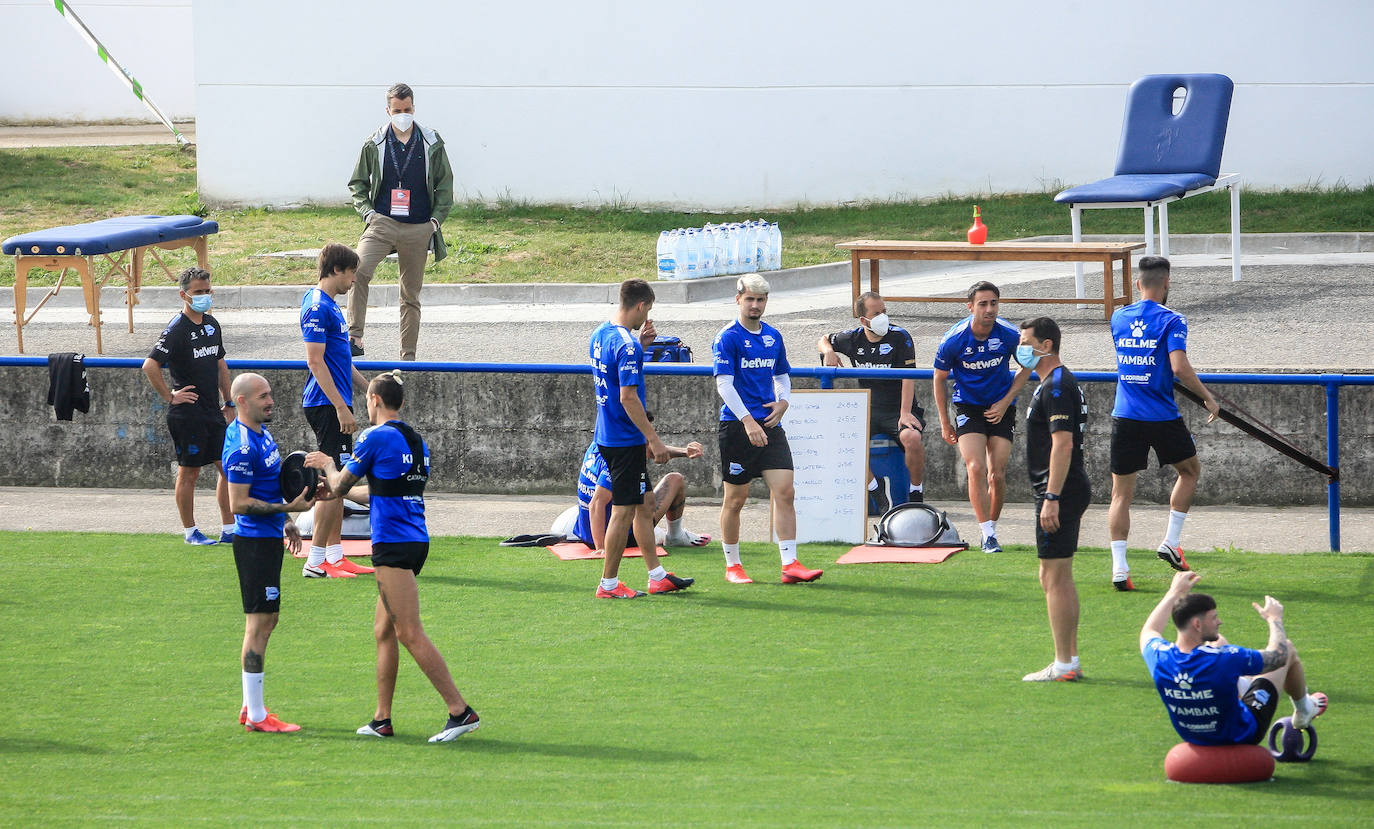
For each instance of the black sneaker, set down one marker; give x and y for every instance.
(355, 348)
(378, 728)
(877, 501)
(915, 497)
(457, 726)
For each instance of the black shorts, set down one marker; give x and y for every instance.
(742, 461)
(198, 436)
(1063, 542)
(1132, 441)
(259, 564)
(969, 420)
(888, 423)
(1262, 698)
(329, 438)
(404, 555)
(629, 470)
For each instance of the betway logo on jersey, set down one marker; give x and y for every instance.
(206, 351)
(979, 365)
(757, 362)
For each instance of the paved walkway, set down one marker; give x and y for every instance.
(1261, 529)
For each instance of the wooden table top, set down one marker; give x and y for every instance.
(1001, 247)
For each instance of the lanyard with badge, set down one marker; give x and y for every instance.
(400, 196)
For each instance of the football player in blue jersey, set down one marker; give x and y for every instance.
(252, 465)
(754, 379)
(976, 353)
(627, 439)
(395, 460)
(327, 401)
(1217, 693)
(1151, 351)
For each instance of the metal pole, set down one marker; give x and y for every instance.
(1333, 458)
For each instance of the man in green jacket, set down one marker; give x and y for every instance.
(402, 187)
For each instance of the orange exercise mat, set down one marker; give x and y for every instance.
(351, 547)
(576, 550)
(874, 554)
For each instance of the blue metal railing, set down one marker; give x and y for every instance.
(827, 376)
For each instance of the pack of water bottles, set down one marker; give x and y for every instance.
(719, 250)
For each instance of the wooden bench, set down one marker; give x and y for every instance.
(1107, 253)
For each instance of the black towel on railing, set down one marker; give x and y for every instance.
(67, 386)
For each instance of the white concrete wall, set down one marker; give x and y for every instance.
(771, 102)
(52, 76)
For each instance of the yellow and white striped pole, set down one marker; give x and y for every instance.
(69, 14)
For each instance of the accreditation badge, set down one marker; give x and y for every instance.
(400, 202)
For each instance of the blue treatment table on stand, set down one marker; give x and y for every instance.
(121, 246)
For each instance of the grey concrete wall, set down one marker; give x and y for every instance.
(525, 435)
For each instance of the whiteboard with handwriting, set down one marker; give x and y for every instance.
(828, 432)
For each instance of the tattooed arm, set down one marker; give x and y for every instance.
(1275, 653)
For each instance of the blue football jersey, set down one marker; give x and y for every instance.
(753, 360)
(1199, 690)
(617, 360)
(1145, 333)
(323, 322)
(592, 474)
(382, 451)
(980, 369)
(253, 458)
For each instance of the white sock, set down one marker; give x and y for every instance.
(1119, 564)
(658, 573)
(1074, 663)
(1175, 527)
(316, 557)
(989, 529)
(731, 554)
(1062, 667)
(788, 551)
(917, 488)
(873, 485)
(333, 553)
(252, 697)
(675, 528)
(609, 584)
(229, 529)
(187, 531)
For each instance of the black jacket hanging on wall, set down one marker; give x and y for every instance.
(67, 386)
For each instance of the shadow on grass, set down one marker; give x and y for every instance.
(581, 751)
(1328, 778)
(28, 746)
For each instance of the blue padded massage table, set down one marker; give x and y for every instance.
(120, 244)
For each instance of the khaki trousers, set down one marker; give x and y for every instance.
(410, 242)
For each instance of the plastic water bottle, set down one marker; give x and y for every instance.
(760, 244)
(746, 249)
(774, 247)
(729, 248)
(666, 264)
(679, 254)
(712, 241)
(693, 250)
(710, 265)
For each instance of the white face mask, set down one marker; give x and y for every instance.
(878, 325)
(402, 121)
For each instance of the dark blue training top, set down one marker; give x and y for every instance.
(979, 368)
(382, 451)
(617, 360)
(252, 458)
(1145, 334)
(323, 322)
(753, 360)
(1200, 692)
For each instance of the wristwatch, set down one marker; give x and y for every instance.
(1050, 496)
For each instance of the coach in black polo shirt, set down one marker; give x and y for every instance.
(892, 408)
(192, 348)
(402, 187)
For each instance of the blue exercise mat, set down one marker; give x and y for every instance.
(109, 235)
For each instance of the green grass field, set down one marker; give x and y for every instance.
(883, 695)
(513, 241)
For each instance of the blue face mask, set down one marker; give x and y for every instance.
(1026, 356)
(200, 303)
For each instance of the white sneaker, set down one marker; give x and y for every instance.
(1053, 674)
(312, 571)
(687, 539)
(1314, 705)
